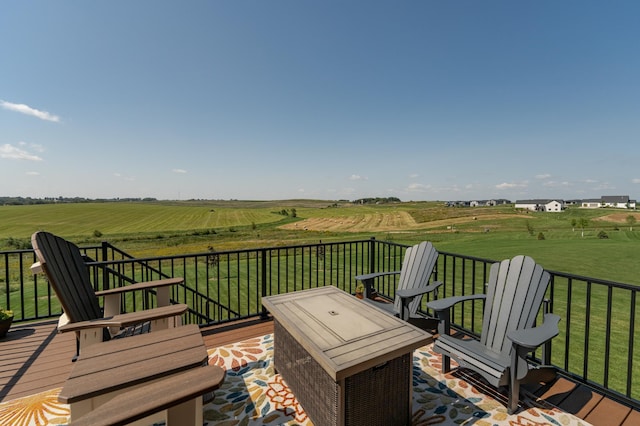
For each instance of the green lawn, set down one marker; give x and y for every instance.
(164, 228)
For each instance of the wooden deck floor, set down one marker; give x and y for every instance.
(35, 358)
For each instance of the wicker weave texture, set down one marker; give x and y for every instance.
(380, 396)
(313, 387)
(377, 396)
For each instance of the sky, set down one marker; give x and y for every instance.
(336, 100)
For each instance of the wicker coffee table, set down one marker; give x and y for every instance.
(347, 363)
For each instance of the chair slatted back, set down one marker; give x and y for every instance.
(417, 265)
(515, 293)
(67, 273)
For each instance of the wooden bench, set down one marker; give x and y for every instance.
(143, 374)
(180, 395)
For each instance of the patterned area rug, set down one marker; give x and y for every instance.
(253, 394)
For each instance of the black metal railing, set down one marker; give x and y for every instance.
(596, 345)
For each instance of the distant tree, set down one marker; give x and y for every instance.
(574, 222)
(540, 236)
(213, 259)
(602, 235)
(631, 220)
(584, 222)
(529, 228)
(294, 213)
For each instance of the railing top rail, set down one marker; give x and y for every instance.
(609, 283)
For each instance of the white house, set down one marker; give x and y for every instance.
(540, 205)
(613, 201)
(593, 203)
(618, 201)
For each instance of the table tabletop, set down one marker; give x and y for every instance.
(343, 334)
(118, 364)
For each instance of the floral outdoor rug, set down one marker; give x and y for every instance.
(252, 394)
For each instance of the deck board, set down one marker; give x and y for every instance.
(35, 358)
(572, 397)
(633, 419)
(608, 412)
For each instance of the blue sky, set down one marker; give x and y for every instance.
(420, 100)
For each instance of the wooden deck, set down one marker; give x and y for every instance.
(35, 358)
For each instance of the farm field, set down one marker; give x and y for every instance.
(163, 228)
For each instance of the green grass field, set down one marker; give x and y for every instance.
(163, 228)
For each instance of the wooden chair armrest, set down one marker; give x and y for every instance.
(442, 308)
(532, 338)
(368, 277)
(36, 268)
(413, 292)
(84, 325)
(141, 286)
(448, 302)
(367, 280)
(125, 320)
(112, 295)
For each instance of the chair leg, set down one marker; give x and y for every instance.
(514, 394)
(75, 357)
(446, 364)
(368, 289)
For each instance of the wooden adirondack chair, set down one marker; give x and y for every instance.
(65, 268)
(514, 295)
(417, 265)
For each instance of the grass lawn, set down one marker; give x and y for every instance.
(164, 228)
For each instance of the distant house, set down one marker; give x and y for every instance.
(490, 203)
(457, 204)
(612, 201)
(541, 205)
(592, 203)
(618, 201)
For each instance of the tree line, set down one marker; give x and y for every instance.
(25, 201)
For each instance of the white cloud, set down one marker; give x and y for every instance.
(554, 184)
(357, 177)
(506, 185)
(33, 174)
(14, 153)
(543, 176)
(179, 171)
(26, 109)
(418, 187)
(635, 180)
